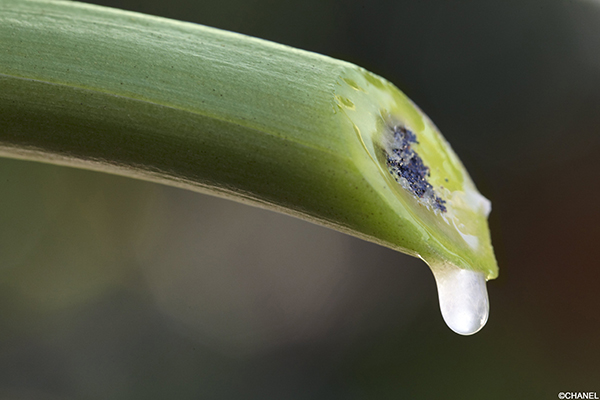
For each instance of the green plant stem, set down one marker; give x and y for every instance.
(222, 113)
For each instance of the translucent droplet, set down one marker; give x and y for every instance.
(463, 299)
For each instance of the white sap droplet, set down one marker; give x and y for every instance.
(463, 299)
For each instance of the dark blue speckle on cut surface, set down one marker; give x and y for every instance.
(408, 169)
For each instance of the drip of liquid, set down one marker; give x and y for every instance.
(463, 299)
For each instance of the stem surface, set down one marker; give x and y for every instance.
(226, 114)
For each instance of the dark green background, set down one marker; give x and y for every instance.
(118, 289)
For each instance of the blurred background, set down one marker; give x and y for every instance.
(112, 288)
